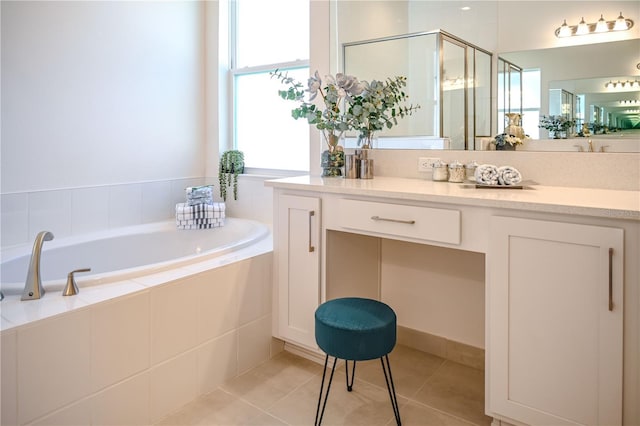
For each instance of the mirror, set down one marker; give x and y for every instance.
(578, 82)
(615, 61)
(448, 77)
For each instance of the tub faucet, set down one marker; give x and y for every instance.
(33, 286)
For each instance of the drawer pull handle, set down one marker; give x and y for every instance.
(311, 247)
(386, 219)
(610, 279)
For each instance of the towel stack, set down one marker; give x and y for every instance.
(199, 211)
(488, 174)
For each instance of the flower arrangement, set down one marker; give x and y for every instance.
(556, 123)
(504, 139)
(378, 107)
(330, 120)
(367, 106)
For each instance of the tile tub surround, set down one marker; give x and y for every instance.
(75, 211)
(134, 353)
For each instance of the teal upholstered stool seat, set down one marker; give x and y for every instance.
(356, 329)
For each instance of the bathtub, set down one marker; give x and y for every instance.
(125, 253)
(191, 309)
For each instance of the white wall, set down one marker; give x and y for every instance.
(102, 109)
(100, 92)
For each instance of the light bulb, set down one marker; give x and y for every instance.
(621, 24)
(601, 25)
(564, 30)
(583, 28)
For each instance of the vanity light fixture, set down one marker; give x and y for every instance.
(602, 26)
(619, 84)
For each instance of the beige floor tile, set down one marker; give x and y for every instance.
(365, 405)
(458, 390)
(267, 383)
(415, 414)
(215, 408)
(410, 369)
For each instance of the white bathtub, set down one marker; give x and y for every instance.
(125, 253)
(191, 309)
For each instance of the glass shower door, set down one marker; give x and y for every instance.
(453, 94)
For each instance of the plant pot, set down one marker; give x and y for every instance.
(505, 147)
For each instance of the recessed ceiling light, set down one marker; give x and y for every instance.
(465, 8)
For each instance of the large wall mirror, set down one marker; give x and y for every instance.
(569, 78)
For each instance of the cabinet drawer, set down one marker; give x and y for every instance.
(400, 220)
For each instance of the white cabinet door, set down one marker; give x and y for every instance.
(554, 322)
(297, 253)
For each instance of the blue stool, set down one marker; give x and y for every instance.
(356, 329)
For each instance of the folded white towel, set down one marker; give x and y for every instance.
(199, 224)
(508, 175)
(200, 211)
(486, 174)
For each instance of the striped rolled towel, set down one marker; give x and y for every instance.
(508, 175)
(487, 174)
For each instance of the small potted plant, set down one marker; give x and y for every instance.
(557, 125)
(231, 165)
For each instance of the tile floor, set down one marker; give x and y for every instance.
(284, 391)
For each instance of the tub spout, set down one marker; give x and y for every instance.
(33, 286)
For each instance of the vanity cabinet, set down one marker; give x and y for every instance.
(554, 322)
(297, 271)
(561, 277)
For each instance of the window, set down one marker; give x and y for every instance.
(531, 102)
(269, 35)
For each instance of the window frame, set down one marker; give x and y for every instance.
(233, 73)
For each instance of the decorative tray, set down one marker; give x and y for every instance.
(522, 185)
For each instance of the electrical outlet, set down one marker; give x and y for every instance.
(425, 164)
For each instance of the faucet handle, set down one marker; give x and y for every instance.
(71, 288)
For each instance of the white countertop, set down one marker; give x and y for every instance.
(605, 203)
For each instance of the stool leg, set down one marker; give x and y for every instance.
(353, 374)
(391, 388)
(318, 421)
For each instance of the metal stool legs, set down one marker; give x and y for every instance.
(388, 378)
(318, 420)
(391, 389)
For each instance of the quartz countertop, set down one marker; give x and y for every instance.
(605, 203)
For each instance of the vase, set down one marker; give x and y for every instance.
(368, 140)
(514, 125)
(505, 147)
(332, 159)
(558, 134)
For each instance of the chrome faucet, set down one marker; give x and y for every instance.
(33, 285)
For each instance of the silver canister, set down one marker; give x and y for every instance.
(351, 166)
(440, 172)
(366, 169)
(456, 172)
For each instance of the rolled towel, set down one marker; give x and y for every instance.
(487, 174)
(508, 175)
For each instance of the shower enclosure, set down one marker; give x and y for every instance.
(448, 77)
